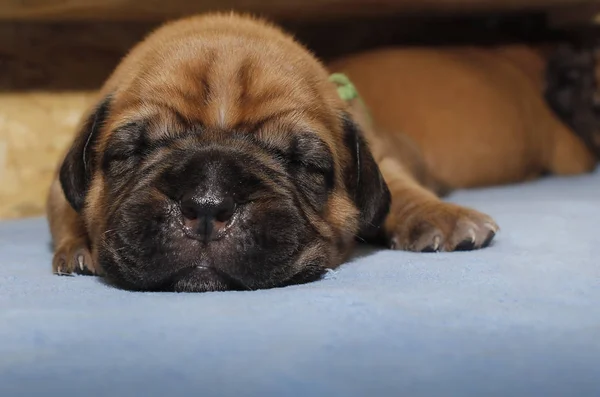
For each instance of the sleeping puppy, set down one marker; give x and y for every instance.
(219, 156)
(472, 116)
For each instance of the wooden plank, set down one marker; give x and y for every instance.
(569, 17)
(59, 10)
(57, 56)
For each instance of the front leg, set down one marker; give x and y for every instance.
(72, 253)
(419, 221)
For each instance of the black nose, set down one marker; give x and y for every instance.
(207, 215)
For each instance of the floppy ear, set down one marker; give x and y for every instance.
(76, 170)
(365, 183)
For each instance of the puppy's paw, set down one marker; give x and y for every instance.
(440, 226)
(73, 257)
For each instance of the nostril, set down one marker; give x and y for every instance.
(189, 210)
(225, 210)
(206, 213)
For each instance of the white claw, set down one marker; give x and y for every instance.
(472, 235)
(436, 243)
(80, 262)
(491, 227)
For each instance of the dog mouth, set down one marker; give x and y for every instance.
(232, 282)
(171, 260)
(151, 247)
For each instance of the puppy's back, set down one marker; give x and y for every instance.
(477, 115)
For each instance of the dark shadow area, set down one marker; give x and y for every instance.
(80, 55)
(363, 250)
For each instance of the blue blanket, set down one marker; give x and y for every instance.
(520, 318)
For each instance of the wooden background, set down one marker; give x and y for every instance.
(314, 9)
(54, 54)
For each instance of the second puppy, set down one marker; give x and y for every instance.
(466, 117)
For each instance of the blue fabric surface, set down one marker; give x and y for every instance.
(521, 318)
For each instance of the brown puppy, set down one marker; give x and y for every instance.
(219, 156)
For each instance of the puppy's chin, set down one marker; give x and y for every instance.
(201, 279)
(206, 279)
(146, 247)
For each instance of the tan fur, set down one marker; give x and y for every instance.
(477, 115)
(457, 118)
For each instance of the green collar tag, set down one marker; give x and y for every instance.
(347, 91)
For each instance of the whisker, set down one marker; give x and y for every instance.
(360, 238)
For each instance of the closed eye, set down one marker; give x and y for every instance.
(126, 146)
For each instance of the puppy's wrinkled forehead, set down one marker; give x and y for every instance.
(233, 81)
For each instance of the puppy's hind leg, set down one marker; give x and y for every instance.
(72, 253)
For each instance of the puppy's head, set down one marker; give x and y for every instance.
(573, 90)
(220, 157)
